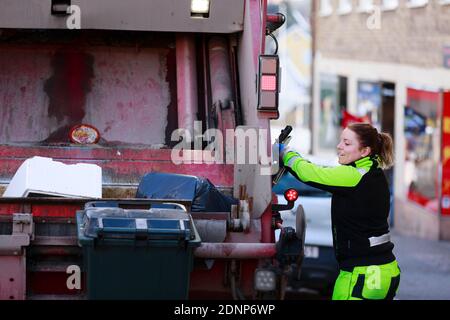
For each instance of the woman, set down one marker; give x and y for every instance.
(359, 211)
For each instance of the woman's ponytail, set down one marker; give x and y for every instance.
(380, 144)
(386, 150)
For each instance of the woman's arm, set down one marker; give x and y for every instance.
(327, 178)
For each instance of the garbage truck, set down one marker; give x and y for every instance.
(132, 88)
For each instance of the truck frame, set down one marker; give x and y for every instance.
(137, 71)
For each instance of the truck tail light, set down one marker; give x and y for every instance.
(265, 280)
(274, 21)
(291, 195)
(268, 83)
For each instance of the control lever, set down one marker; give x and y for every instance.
(283, 138)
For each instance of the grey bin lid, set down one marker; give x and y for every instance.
(156, 224)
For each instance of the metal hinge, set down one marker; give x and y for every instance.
(23, 232)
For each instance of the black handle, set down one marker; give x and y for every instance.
(144, 203)
(284, 134)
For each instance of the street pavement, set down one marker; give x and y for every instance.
(425, 268)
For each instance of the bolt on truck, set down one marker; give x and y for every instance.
(130, 73)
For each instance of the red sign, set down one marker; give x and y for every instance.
(445, 198)
(348, 118)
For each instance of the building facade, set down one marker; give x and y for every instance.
(295, 52)
(389, 61)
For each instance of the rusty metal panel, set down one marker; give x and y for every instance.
(226, 16)
(23, 103)
(10, 208)
(45, 90)
(116, 170)
(83, 152)
(120, 172)
(12, 277)
(56, 210)
(130, 89)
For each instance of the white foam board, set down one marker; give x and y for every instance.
(44, 176)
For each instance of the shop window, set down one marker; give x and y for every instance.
(422, 134)
(333, 100)
(369, 102)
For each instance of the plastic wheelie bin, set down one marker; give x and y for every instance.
(136, 254)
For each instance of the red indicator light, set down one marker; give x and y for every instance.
(268, 83)
(291, 195)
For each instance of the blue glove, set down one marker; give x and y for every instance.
(281, 151)
(284, 149)
(281, 147)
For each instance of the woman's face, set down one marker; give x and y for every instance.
(349, 149)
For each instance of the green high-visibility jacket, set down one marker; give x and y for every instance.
(359, 208)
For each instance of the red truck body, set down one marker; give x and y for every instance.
(136, 73)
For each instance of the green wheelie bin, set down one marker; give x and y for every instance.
(136, 254)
